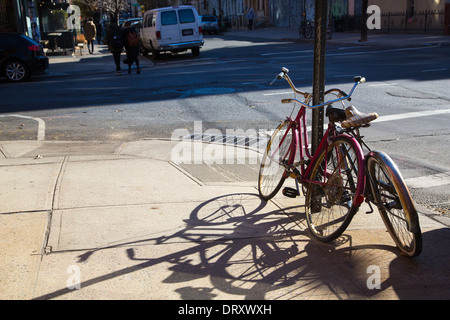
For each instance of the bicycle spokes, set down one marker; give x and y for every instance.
(275, 162)
(330, 194)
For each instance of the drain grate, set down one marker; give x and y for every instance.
(221, 171)
(258, 142)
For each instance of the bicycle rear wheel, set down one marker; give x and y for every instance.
(335, 180)
(395, 203)
(275, 161)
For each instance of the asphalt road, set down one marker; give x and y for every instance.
(227, 88)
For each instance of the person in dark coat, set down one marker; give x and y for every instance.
(132, 50)
(98, 26)
(114, 41)
(89, 33)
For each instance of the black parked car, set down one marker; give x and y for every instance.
(20, 57)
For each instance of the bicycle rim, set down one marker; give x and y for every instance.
(329, 199)
(274, 162)
(394, 203)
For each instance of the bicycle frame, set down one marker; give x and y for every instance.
(300, 144)
(300, 137)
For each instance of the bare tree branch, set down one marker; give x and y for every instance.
(112, 6)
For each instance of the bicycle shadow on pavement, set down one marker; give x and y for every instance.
(235, 246)
(216, 236)
(378, 269)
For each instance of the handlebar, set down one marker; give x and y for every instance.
(284, 71)
(284, 75)
(341, 94)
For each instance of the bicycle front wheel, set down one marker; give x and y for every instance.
(394, 203)
(275, 161)
(334, 183)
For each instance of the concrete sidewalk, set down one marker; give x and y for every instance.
(91, 220)
(113, 220)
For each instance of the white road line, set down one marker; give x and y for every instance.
(181, 61)
(41, 124)
(434, 180)
(337, 54)
(288, 52)
(382, 84)
(237, 60)
(379, 51)
(349, 48)
(350, 76)
(277, 93)
(435, 70)
(408, 115)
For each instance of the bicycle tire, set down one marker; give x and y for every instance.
(335, 182)
(394, 203)
(272, 171)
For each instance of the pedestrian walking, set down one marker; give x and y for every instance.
(250, 17)
(114, 41)
(131, 42)
(89, 34)
(99, 27)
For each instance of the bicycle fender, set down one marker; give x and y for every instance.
(388, 164)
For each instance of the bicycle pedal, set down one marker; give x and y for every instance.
(290, 192)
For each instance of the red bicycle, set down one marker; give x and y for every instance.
(334, 179)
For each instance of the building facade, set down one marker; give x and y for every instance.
(35, 17)
(20, 16)
(232, 12)
(38, 17)
(280, 13)
(412, 15)
(345, 15)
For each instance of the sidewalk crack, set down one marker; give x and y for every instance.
(54, 192)
(56, 184)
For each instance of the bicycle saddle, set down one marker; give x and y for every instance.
(356, 118)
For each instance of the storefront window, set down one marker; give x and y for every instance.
(53, 16)
(58, 32)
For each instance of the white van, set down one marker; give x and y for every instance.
(172, 29)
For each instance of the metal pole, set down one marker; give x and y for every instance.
(319, 71)
(364, 7)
